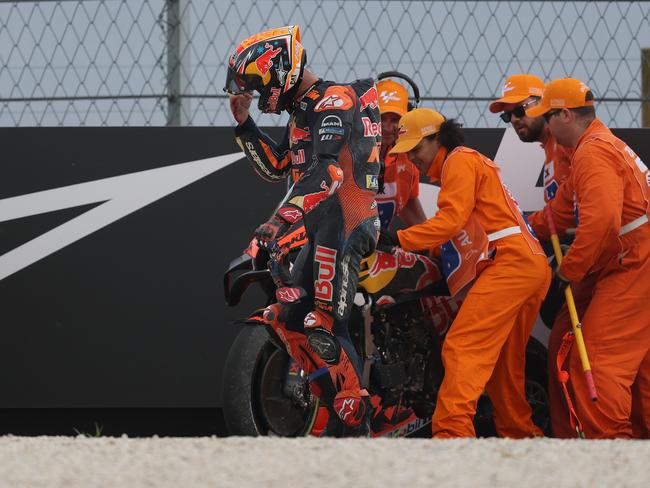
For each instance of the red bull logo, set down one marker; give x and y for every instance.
(273, 99)
(405, 259)
(298, 134)
(298, 158)
(265, 60)
(431, 274)
(326, 259)
(370, 128)
(312, 199)
(369, 99)
(384, 261)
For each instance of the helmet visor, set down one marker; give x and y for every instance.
(236, 83)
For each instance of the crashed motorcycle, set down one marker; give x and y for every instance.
(400, 315)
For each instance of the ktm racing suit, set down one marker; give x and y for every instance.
(330, 150)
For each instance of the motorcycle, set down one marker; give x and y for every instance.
(400, 315)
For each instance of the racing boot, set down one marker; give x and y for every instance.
(336, 427)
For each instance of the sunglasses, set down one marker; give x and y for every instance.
(518, 112)
(547, 116)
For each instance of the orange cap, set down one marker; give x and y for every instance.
(518, 88)
(393, 97)
(414, 126)
(561, 93)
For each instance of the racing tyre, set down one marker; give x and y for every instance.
(256, 400)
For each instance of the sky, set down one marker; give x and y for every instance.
(105, 62)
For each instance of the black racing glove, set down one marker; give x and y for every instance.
(388, 240)
(269, 231)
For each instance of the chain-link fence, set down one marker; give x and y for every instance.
(157, 62)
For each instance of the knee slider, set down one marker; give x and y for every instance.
(275, 314)
(324, 345)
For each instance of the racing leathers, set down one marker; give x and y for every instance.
(330, 150)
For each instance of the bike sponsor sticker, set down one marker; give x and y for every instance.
(405, 259)
(384, 261)
(409, 428)
(326, 259)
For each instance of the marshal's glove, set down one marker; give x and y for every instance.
(561, 280)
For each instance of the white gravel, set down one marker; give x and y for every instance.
(335, 463)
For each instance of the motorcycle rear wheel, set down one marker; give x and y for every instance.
(254, 402)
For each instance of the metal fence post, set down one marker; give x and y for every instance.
(178, 62)
(645, 87)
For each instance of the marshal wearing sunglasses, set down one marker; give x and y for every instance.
(521, 93)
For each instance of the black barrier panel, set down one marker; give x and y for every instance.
(129, 312)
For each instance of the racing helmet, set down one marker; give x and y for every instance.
(271, 63)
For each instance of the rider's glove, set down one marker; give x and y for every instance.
(387, 241)
(270, 230)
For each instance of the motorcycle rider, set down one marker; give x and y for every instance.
(331, 152)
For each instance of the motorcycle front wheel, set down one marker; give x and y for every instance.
(256, 401)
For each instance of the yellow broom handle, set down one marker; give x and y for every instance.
(573, 313)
